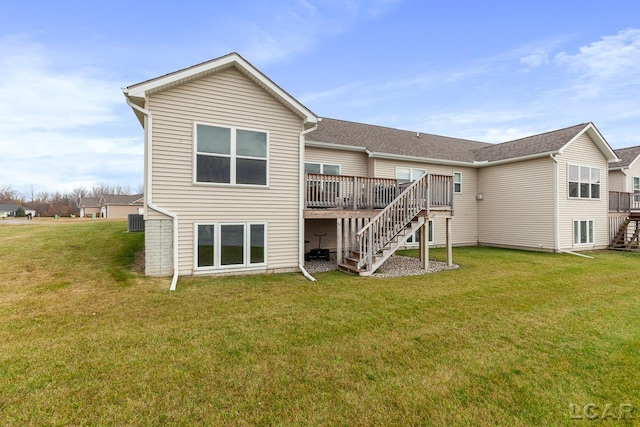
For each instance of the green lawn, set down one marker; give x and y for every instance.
(511, 338)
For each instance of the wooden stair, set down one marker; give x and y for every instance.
(627, 237)
(389, 230)
(350, 264)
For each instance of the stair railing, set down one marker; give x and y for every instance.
(382, 228)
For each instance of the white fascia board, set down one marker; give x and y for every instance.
(140, 90)
(331, 146)
(598, 139)
(421, 159)
(486, 163)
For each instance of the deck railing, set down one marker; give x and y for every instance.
(355, 192)
(620, 201)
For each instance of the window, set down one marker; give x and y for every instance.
(322, 168)
(414, 239)
(405, 175)
(222, 246)
(583, 232)
(457, 182)
(584, 182)
(230, 155)
(636, 184)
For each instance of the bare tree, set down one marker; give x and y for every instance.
(79, 193)
(7, 194)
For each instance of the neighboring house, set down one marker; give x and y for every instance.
(239, 174)
(89, 206)
(625, 175)
(120, 206)
(624, 199)
(9, 210)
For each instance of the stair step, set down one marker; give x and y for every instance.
(350, 269)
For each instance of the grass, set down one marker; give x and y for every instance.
(511, 338)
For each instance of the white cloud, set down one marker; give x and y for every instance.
(536, 59)
(298, 27)
(609, 57)
(608, 66)
(54, 118)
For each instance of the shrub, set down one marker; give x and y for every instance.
(20, 212)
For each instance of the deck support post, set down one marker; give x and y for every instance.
(449, 242)
(424, 246)
(340, 254)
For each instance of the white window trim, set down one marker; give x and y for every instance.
(322, 165)
(633, 184)
(579, 182)
(454, 183)
(573, 232)
(412, 177)
(217, 267)
(233, 156)
(432, 238)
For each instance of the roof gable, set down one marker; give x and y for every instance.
(628, 156)
(139, 91)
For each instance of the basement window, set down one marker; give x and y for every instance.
(583, 232)
(230, 245)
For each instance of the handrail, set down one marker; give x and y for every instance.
(349, 192)
(392, 219)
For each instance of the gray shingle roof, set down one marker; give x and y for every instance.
(89, 202)
(379, 139)
(386, 140)
(627, 156)
(116, 199)
(536, 144)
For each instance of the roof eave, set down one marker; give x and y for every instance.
(141, 90)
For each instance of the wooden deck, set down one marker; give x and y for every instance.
(620, 201)
(344, 196)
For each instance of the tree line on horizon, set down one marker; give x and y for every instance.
(47, 203)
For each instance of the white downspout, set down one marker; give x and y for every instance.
(148, 189)
(556, 207)
(301, 207)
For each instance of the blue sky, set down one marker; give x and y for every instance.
(490, 71)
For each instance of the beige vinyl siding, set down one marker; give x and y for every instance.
(634, 170)
(618, 181)
(464, 225)
(351, 162)
(227, 98)
(121, 211)
(517, 209)
(321, 226)
(582, 152)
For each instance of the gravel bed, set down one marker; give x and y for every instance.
(396, 266)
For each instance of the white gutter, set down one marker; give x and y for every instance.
(148, 189)
(301, 207)
(556, 206)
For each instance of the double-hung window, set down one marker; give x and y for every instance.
(584, 182)
(322, 168)
(636, 184)
(405, 175)
(583, 232)
(229, 155)
(327, 184)
(457, 182)
(230, 245)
